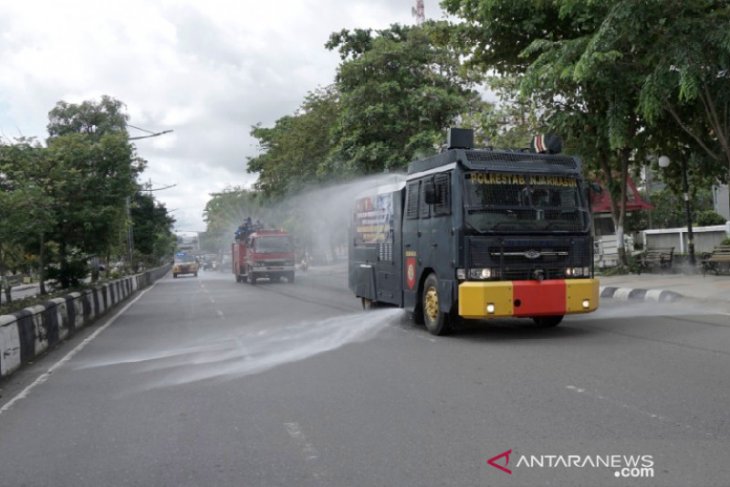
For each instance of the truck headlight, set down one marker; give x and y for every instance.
(484, 273)
(578, 272)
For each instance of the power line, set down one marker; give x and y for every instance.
(155, 134)
(138, 128)
(159, 189)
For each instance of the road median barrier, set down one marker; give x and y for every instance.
(30, 332)
(637, 294)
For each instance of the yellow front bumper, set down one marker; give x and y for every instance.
(527, 298)
(185, 269)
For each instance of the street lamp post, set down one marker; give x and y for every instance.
(664, 162)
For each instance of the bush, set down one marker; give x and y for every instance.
(70, 275)
(709, 217)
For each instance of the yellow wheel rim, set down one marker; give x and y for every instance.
(432, 304)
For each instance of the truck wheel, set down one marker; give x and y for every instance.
(290, 277)
(368, 304)
(195, 274)
(251, 276)
(547, 321)
(174, 276)
(436, 321)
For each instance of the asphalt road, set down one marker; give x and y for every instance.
(206, 382)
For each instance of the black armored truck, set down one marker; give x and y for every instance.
(477, 234)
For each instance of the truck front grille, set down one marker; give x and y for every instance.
(519, 260)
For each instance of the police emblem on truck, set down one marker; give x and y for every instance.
(411, 269)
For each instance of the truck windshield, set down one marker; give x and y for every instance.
(522, 203)
(183, 258)
(271, 245)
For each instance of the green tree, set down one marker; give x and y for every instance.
(294, 150)
(400, 88)
(25, 205)
(584, 93)
(669, 210)
(225, 211)
(89, 117)
(511, 123)
(153, 236)
(94, 168)
(680, 51)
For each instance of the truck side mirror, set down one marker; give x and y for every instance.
(429, 193)
(595, 188)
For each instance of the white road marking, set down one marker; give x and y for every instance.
(631, 407)
(211, 299)
(220, 313)
(425, 337)
(620, 403)
(310, 453)
(44, 376)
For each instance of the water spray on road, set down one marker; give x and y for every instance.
(238, 355)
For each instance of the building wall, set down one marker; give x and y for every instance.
(705, 238)
(721, 200)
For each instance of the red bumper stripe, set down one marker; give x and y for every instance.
(539, 298)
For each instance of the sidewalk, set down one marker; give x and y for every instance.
(710, 289)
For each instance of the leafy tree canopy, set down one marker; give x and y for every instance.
(400, 88)
(294, 151)
(94, 171)
(89, 117)
(25, 205)
(153, 237)
(226, 210)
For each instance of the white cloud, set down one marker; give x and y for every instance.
(208, 70)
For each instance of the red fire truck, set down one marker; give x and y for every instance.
(263, 254)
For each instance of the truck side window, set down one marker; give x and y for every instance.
(425, 209)
(412, 201)
(443, 194)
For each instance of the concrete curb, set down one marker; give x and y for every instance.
(636, 294)
(28, 333)
(23, 287)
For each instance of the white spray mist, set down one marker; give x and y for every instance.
(252, 352)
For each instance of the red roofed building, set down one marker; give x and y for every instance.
(601, 202)
(601, 207)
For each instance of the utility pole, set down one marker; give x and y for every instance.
(688, 211)
(130, 233)
(130, 226)
(664, 162)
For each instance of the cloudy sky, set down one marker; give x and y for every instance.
(207, 69)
